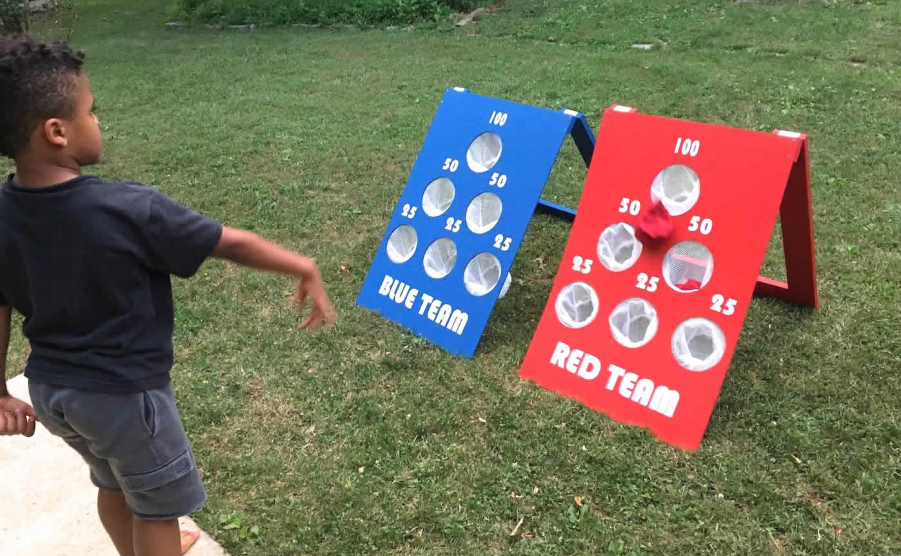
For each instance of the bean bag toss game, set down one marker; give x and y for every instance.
(445, 256)
(662, 262)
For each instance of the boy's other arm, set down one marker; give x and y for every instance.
(16, 416)
(248, 249)
(5, 326)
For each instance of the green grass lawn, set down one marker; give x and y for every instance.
(366, 439)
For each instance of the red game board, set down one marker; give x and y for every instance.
(644, 331)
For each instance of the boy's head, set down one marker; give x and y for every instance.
(48, 113)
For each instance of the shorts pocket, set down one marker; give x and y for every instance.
(149, 413)
(161, 476)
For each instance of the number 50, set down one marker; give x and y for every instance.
(705, 226)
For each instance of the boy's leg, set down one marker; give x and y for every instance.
(159, 478)
(116, 519)
(114, 516)
(135, 443)
(156, 538)
(128, 532)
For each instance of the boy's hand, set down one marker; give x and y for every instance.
(16, 417)
(313, 288)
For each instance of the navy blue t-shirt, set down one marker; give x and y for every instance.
(88, 264)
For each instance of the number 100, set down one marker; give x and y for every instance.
(688, 146)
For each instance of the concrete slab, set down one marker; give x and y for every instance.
(49, 504)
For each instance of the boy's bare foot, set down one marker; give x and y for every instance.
(188, 538)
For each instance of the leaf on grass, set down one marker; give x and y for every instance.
(576, 516)
(515, 529)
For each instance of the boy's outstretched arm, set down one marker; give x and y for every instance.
(248, 249)
(16, 416)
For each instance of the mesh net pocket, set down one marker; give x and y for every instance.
(402, 244)
(687, 266)
(698, 344)
(482, 274)
(438, 196)
(576, 305)
(483, 212)
(484, 152)
(618, 248)
(678, 187)
(633, 322)
(506, 286)
(440, 258)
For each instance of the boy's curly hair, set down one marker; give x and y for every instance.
(37, 81)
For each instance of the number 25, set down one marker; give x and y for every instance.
(502, 243)
(648, 284)
(719, 301)
(582, 265)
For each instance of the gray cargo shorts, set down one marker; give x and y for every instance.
(131, 442)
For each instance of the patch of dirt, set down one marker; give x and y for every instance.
(818, 501)
(40, 5)
(767, 1)
(268, 403)
(778, 542)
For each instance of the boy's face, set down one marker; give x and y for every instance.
(84, 140)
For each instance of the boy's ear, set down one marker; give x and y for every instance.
(54, 131)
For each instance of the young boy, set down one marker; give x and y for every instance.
(88, 264)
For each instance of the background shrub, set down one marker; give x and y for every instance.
(13, 16)
(283, 12)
